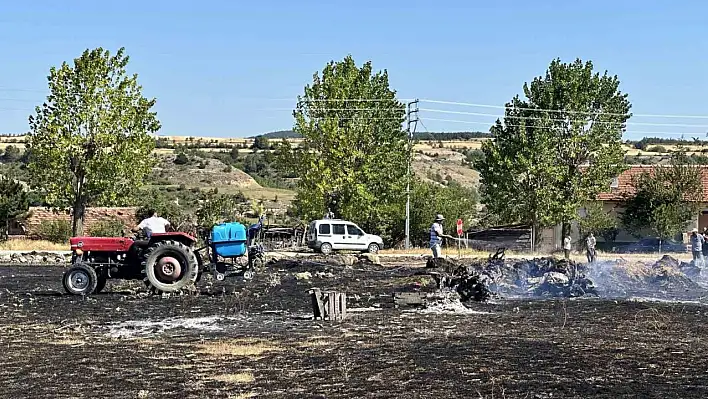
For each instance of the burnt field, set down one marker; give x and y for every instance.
(236, 339)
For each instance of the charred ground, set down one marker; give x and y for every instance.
(234, 339)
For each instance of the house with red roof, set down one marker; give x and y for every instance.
(623, 185)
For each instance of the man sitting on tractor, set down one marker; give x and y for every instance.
(153, 224)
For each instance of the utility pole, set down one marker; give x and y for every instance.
(411, 121)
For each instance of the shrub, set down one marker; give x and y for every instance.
(657, 148)
(181, 159)
(107, 228)
(56, 231)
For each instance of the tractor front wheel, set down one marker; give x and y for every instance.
(170, 266)
(80, 279)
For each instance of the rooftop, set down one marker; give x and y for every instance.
(623, 185)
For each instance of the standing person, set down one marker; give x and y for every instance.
(153, 224)
(697, 247)
(591, 242)
(436, 236)
(566, 246)
(705, 243)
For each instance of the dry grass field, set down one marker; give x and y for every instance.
(32, 245)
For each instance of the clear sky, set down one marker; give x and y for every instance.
(234, 68)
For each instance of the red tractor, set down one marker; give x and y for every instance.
(166, 262)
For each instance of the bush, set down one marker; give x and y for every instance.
(181, 159)
(56, 231)
(657, 148)
(107, 228)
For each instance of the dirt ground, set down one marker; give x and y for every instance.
(234, 339)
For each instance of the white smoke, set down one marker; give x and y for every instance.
(664, 279)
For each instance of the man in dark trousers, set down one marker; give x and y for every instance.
(591, 242)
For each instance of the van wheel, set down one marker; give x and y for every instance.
(326, 248)
(373, 248)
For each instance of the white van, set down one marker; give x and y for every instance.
(327, 235)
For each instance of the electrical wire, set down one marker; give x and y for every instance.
(568, 112)
(10, 89)
(336, 109)
(17, 109)
(627, 132)
(559, 120)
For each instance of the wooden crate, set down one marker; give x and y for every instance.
(328, 305)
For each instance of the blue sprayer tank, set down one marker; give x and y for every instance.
(229, 239)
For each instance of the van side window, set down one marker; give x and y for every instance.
(354, 231)
(324, 229)
(338, 229)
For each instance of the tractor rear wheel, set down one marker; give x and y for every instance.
(80, 279)
(169, 266)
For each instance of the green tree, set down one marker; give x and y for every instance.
(354, 156)
(181, 159)
(218, 208)
(14, 202)
(12, 154)
(234, 153)
(599, 222)
(91, 140)
(556, 149)
(665, 200)
(453, 201)
(260, 143)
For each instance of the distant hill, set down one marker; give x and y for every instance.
(280, 134)
(450, 135)
(289, 134)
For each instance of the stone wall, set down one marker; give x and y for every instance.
(38, 215)
(36, 258)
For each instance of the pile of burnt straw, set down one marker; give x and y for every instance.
(481, 279)
(621, 278)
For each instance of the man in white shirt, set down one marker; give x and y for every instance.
(153, 224)
(436, 236)
(567, 246)
(591, 242)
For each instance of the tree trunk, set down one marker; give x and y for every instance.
(565, 231)
(535, 237)
(77, 223)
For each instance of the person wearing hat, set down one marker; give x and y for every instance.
(697, 242)
(436, 236)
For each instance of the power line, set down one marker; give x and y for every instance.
(370, 119)
(17, 109)
(327, 99)
(627, 132)
(19, 100)
(569, 112)
(336, 109)
(4, 88)
(558, 120)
